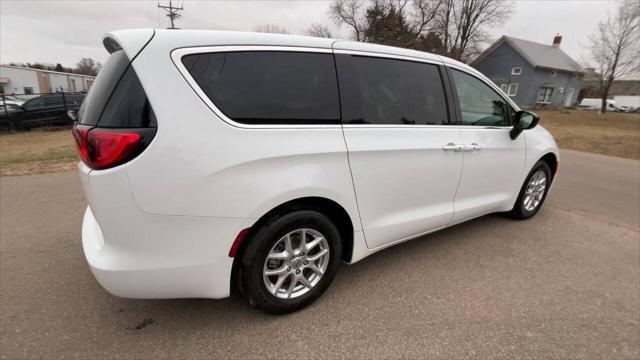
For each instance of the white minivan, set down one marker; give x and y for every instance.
(215, 159)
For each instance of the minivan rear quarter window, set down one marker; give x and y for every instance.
(269, 87)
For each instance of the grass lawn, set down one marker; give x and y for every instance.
(614, 134)
(36, 152)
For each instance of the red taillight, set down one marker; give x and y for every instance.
(111, 147)
(80, 134)
(102, 148)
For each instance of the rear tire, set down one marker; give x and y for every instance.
(533, 192)
(301, 270)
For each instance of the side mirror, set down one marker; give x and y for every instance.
(523, 120)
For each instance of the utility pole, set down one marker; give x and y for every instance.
(173, 13)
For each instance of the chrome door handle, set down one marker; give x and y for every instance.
(470, 148)
(452, 147)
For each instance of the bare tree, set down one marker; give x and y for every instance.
(456, 26)
(349, 12)
(88, 66)
(615, 47)
(271, 28)
(393, 22)
(423, 16)
(461, 24)
(319, 30)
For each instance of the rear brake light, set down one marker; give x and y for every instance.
(80, 134)
(109, 148)
(103, 148)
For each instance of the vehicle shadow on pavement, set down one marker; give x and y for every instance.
(386, 264)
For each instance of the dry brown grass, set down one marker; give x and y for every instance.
(614, 134)
(37, 152)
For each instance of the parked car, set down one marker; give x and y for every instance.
(11, 100)
(596, 104)
(5, 123)
(213, 159)
(44, 110)
(626, 108)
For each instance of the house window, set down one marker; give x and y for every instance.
(544, 95)
(513, 89)
(516, 70)
(503, 87)
(27, 90)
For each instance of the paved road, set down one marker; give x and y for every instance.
(565, 284)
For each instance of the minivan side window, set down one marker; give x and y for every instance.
(391, 92)
(269, 87)
(479, 104)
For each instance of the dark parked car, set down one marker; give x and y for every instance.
(44, 110)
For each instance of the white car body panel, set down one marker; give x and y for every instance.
(491, 175)
(405, 183)
(162, 224)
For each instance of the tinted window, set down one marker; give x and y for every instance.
(105, 82)
(35, 103)
(397, 92)
(479, 104)
(269, 87)
(53, 101)
(117, 98)
(128, 106)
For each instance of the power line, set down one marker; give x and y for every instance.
(173, 13)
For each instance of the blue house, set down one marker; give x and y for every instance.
(532, 74)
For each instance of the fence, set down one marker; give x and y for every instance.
(26, 111)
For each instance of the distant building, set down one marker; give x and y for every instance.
(20, 80)
(532, 74)
(622, 92)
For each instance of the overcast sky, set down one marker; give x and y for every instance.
(64, 31)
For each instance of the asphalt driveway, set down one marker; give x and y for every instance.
(565, 284)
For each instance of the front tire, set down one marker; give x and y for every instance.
(533, 193)
(290, 262)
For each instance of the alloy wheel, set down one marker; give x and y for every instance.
(535, 190)
(296, 263)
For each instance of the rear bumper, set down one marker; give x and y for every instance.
(194, 265)
(136, 254)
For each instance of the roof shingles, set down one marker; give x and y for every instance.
(539, 55)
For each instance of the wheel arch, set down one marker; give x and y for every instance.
(552, 160)
(333, 210)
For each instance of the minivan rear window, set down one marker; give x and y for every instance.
(269, 87)
(117, 98)
(102, 88)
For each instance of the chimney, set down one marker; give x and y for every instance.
(557, 40)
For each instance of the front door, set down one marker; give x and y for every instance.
(395, 126)
(493, 163)
(568, 101)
